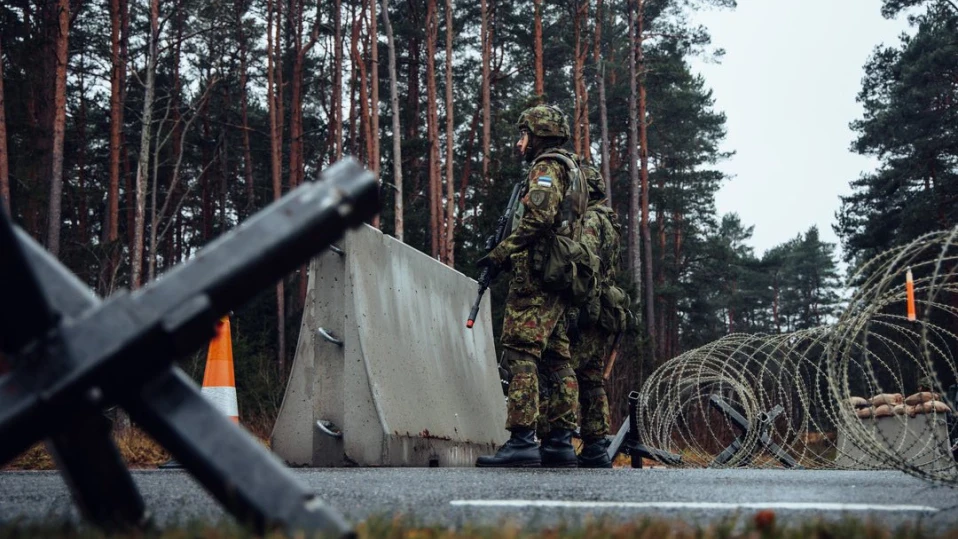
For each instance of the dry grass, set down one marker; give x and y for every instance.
(136, 447)
(760, 526)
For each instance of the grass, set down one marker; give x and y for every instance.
(760, 526)
(136, 447)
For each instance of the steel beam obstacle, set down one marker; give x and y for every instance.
(73, 355)
(628, 442)
(764, 427)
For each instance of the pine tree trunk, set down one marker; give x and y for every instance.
(55, 220)
(244, 108)
(353, 133)
(337, 127)
(635, 261)
(540, 71)
(359, 61)
(486, 114)
(397, 129)
(603, 108)
(576, 75)
(142, 166)
(4, 159)
(450, 142)
(81, 123)
(273, 96)
(118, 14)
(644, 158)
(432, 129)
(581, 117)
(375, 158)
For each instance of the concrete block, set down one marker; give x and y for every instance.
(920, 441)
(409, 385)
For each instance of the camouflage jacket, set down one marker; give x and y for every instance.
(538, 214)
(600, 232)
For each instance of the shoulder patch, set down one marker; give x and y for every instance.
(545, 181)
(537, 198)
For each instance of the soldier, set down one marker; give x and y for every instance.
(534, 326)
(600, 232)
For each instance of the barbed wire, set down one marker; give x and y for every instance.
(840, 396)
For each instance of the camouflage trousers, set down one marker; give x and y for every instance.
(589, 355)
(537, 353)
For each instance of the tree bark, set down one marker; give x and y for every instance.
(635, 261)
(374, 159)
(644, 158)
(353, 133)
(55, 220)
(142, 166)
(450, 199)
(486, 114)
(359, 63)
(603, 108)
(337, 127)
(273, 96)
(244, 108)
(581, 116)
(540, 71)
(81, 124)
(118, 16)
(397, 129)
(4, 159)
(296, 164)
(432, 130)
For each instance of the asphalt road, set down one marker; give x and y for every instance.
(539, 498)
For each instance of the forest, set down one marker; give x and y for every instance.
(133, 133)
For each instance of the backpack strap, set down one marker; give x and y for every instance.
(577, 195)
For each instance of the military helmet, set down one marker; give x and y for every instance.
(595, 180)
(544, 121)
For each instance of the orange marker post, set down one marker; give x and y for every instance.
(910, 292)
(219, 385)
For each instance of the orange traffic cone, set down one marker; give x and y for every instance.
(218, 383)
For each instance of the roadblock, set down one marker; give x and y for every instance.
(890, 442)
(385, 373)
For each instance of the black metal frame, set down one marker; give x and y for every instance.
(627, 440)
(764, 426)
(73, 355)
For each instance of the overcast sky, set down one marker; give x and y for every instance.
(788, 84)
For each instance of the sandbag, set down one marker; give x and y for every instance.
(859, 402)
(929, 407)
(920, 397)
(887, 398)
(884, 410)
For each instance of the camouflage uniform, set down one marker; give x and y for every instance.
(589, 353)
(535, 318)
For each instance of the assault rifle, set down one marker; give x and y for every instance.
(502, 230)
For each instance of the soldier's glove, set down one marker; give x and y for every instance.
(487, 262)
(494, 260)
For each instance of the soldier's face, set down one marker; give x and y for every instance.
(523, 142)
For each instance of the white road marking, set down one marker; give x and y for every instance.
(793, 506)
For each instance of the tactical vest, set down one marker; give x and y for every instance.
(574, 202)
(567, 265)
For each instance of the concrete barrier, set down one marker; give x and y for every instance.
(408, 385)
(920, 441)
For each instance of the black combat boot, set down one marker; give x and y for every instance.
(595, 454)
(520, 451)
(557, 450)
